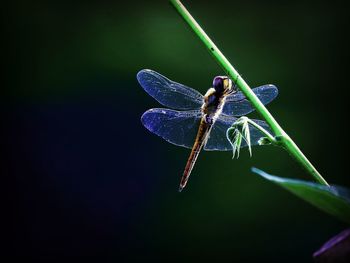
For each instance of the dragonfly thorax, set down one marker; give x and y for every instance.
(212, 106)
(215, 96)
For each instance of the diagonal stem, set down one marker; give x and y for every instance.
(265, 132)
(286, 141)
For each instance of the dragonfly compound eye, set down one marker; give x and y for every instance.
(222, 83)
(218, 84)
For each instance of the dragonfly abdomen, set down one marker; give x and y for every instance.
(201, 139)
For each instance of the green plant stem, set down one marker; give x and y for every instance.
(285, 140)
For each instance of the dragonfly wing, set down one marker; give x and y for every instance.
(218, 141)
(177, 127)
(169, 93)
(236, 104)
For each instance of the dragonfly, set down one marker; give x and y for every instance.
(198, 122)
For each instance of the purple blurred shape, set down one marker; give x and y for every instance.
(336, 250)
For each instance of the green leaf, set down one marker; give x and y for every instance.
(332, 199)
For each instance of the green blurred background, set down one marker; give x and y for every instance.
(84, 178)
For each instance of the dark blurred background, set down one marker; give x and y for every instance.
(84, 178)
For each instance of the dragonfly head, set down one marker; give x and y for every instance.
(222, 84)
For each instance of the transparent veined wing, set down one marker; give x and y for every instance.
(237, 104)
(169, 93)
(217, 139)
(177, 127)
